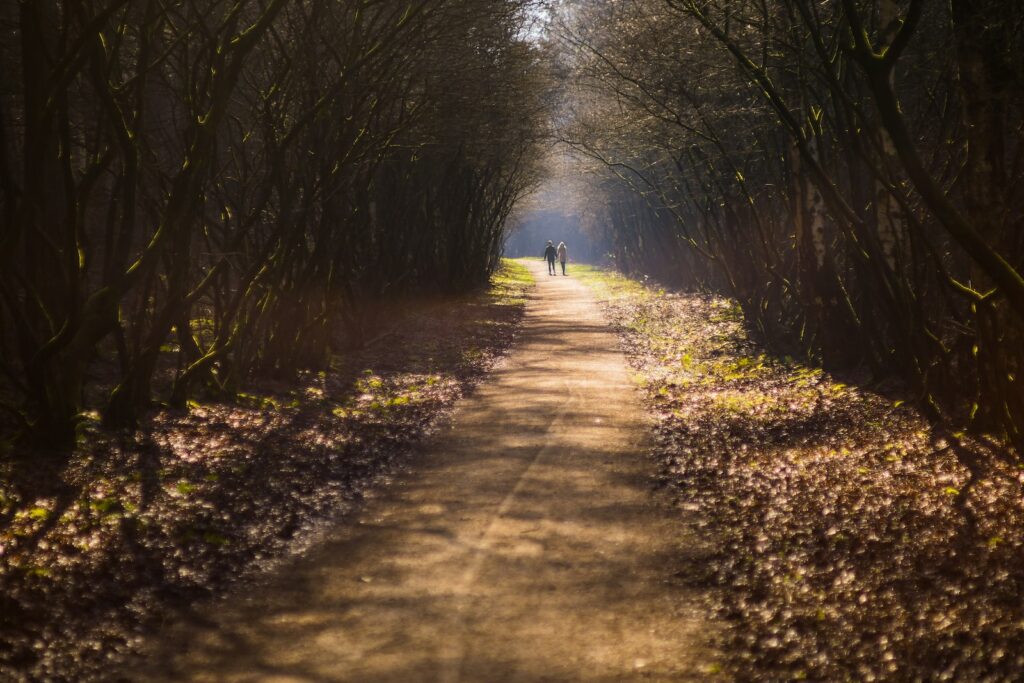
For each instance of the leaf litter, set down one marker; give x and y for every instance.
(195, 501)
(850, 542)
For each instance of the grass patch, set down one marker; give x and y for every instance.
(512, 272)
(510, 282)
(610, 285)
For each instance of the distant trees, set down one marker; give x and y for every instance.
(212, 190)
(847, 169)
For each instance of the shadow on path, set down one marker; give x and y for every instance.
(525, 546)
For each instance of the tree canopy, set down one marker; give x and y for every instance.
(203, 191)
(846, 169)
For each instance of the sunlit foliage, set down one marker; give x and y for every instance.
(847, 170)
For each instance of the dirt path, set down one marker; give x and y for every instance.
(526, 545)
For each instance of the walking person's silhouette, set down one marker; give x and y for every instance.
(550, 253)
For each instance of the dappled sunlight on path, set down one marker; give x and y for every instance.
(525, 545)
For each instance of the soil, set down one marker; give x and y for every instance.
(854, 539)
(524, 544)
(96, 553)
(808, 525)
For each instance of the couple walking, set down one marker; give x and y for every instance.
(551, 252)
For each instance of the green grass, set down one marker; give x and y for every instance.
(510, 282)
(610, 285)
(695, 350)
(512, 272)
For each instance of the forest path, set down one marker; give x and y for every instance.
(525, 545)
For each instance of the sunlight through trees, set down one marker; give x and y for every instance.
(203, 191)
(847, 170)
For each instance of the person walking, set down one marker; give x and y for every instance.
(563, 255)
(550, 253)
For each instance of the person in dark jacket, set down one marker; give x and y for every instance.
(551, 254)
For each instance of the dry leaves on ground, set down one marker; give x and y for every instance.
(197, 499)
(851, 543)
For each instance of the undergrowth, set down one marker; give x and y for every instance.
(851, 543)
(135, 524)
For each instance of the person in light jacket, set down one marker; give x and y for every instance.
(563, 255)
